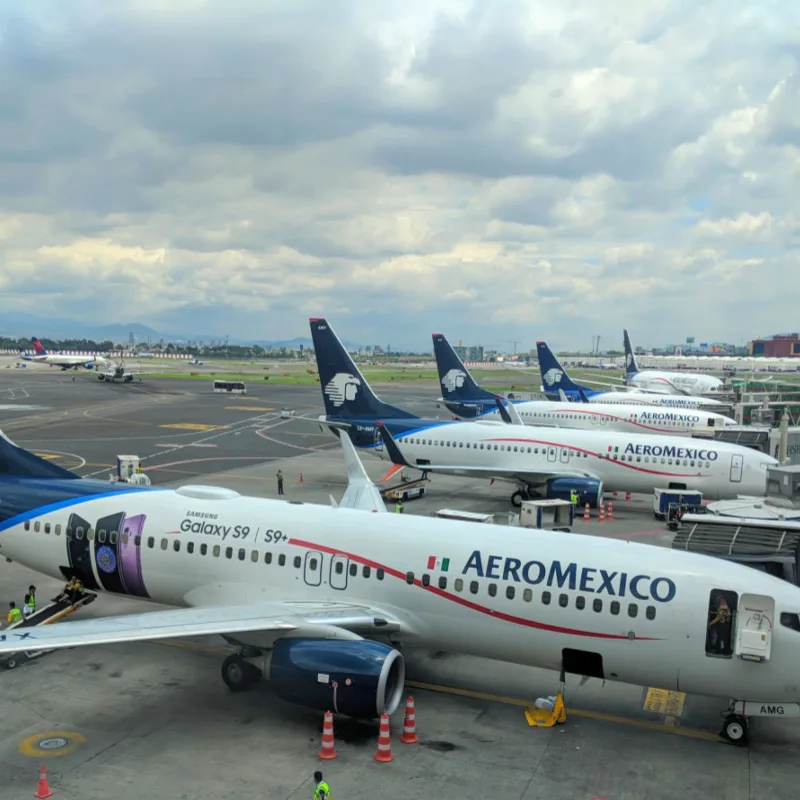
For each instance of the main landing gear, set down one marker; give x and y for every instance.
(238, 673)
(520, 495)
(734, 728)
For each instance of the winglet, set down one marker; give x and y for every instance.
(391, 447)
(516, 419)
(562, 396)
(584, 398)
(503, 411)
(361, 492)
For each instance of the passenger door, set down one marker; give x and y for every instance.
(737, 465)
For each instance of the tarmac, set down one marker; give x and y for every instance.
(154, 720)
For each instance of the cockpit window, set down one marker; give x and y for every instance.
(790, 620)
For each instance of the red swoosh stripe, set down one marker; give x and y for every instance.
(528, 623)
(594, 455)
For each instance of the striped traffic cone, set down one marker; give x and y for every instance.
(627, 496)
(44, 787)
(384, 752)
(586, 516)
(409, 724)
(616, 494)
(610, 516)
(301, 478)
(602, 517)
(327, 751)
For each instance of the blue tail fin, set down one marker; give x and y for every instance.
(554, 376)
(460, 392)
(19, 463)
(630, 359)
(345, 391)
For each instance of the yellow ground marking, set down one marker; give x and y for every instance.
(48, 456)
(691, 733)
(50, 744)
(250, 408)
(662, 701)
(193, 426)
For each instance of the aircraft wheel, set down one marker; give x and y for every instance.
(734, 729)
(518, 497)
(11, 663)
(238, 674)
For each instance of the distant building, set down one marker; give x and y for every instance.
(781, 345)
(474, 353)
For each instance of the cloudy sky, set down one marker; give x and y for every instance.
(495, 170)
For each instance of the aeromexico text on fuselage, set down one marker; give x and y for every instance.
(364, 432)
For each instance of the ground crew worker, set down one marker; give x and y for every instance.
(720, 627)
(14, 615)
(32, 596)
(26, 607)
(573, 497)
(322, 790)
(398, 506)
(68, 589)
(77, 591)
(279, 476)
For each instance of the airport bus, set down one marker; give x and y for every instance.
(230, 387)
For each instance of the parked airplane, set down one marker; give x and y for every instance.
(555, 378)
(670, 382)
(41, 356)
(321, 601)
(538, 460)
(465, 398)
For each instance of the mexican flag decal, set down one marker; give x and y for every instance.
(442, 564)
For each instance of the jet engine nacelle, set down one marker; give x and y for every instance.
(358, 678)
(590, 490)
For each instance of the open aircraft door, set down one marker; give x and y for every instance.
(754, 627)
(378, 441)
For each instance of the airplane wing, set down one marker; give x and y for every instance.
(532, 477)
(329, 620)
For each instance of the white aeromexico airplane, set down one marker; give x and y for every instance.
(41, 356)
(321, 601)
(465, 398)
(543, 461)
(555, 379)
(670, 382)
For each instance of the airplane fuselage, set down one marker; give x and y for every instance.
(670, 381)
(622, 462)
(626, 611)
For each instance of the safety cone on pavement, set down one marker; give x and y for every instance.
(301, 478)
(327, 750)
(409, 724)
(627, 496)
(602, 517)
(610, 516)
(586, 516)
(44, 786)
(384, 752)
(616, 494)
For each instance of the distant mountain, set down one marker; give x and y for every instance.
(22, 325)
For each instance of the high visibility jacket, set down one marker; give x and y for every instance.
(32, 602)
(15, 615)
(573, 498)
(322, 792)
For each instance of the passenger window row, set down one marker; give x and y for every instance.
(614, 606)
(102, 536)
(481, 446)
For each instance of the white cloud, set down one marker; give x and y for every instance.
(497, 171)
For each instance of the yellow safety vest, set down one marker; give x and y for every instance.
(318, 792)
(15, 615)
(32, 603)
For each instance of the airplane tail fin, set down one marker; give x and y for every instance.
(554, 376)
(38, 348)
(458, 386)
(16, 462)
(630, 359)
(345, 391)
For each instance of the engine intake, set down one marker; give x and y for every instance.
(589, 490)
(358, 678)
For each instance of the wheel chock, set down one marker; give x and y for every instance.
(541, 718)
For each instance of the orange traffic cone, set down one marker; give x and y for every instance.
(384, 753)
(602, 517)
(44, 786)
(327, 750)
(409, 724)
(301, 478)
(627, 495)
(610, 512)
(586, 516)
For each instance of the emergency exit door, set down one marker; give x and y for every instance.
(552, 453)
(565, 454)
(338, 576)
(737, 464)
(312, 569)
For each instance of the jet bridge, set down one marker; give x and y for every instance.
(772, 546)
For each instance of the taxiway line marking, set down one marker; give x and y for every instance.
(691, 733)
